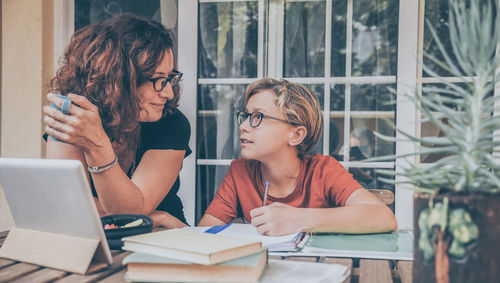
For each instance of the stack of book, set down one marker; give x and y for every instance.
(179, 255)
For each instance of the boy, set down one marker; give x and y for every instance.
(281, 123)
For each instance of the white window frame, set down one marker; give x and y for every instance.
(405, 109)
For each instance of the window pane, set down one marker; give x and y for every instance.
(339, 24)
(374, 37)
(337, 106)
(372, 98)
(364, 144)
(217, 130)
(227, 42)
(369, 178)
(208, 180)
(92, 11)
(371, 111)
(304, 39)
(436, 14)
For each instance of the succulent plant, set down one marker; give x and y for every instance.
(468, 116)
(464, 112)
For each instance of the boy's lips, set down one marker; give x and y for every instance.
(242, 140)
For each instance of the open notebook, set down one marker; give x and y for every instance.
(396, 245)
(288, 243)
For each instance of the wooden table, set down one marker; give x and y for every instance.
(362, 270)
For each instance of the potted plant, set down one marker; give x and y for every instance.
(457, 199)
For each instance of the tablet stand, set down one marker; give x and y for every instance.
(68, 253)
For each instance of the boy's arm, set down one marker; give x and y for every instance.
(209, 220)
(362, 213)
(223, 208)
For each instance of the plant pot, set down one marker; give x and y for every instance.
(482, 260)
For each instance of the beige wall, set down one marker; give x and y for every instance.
(27, 48)
(26, 66)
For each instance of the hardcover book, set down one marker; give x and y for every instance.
(150, 268)
(191, 246)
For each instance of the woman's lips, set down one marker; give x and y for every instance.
(157, 105)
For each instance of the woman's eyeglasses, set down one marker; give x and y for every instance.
(257, 117)
(174, 78)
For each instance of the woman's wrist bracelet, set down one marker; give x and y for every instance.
(99, 169)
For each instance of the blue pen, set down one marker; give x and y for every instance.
(264, 200)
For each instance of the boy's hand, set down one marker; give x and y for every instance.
(276, 219)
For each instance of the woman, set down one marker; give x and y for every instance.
(120, 76)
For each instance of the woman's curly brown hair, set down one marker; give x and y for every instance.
(106, 62)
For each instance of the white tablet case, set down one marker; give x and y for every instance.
(56, 221)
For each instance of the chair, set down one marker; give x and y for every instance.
(386, 196)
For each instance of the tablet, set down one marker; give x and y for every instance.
(52, 195)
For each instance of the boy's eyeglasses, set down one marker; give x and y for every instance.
(257, 117)
(174, 78)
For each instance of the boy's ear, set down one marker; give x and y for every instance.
(297, 135)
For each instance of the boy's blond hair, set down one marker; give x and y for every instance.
(298, 103)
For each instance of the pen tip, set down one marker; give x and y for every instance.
(267, 182)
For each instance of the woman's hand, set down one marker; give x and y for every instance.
(165, 219)
(276, 219)
(81, 128)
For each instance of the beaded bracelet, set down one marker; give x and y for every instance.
(99, 169)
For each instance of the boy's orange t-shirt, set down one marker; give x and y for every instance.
(323, 182)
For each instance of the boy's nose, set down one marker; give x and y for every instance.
(245, 126)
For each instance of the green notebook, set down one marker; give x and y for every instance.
(395, 245)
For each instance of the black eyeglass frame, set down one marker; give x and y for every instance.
(168, 79)
(261, 116)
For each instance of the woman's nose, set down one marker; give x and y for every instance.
(167, 92)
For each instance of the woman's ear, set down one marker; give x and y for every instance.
(297, 135)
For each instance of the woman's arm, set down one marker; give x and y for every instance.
(362, 213)
(165, 219)
(85, 140)
(152, 180)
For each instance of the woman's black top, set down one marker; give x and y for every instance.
(170, 132)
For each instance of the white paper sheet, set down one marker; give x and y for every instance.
(291, 271)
